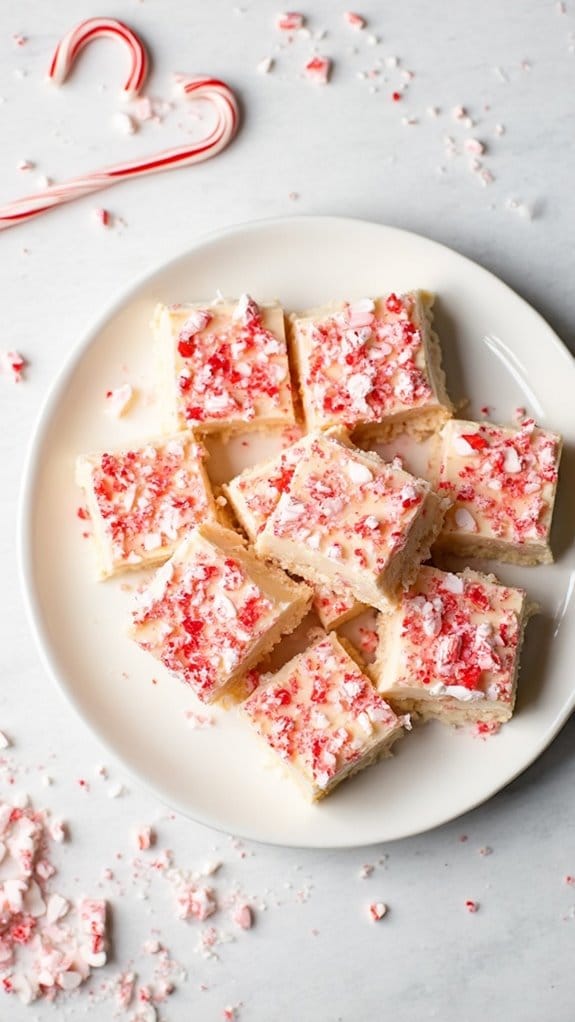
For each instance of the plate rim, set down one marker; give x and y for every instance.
(24, 529)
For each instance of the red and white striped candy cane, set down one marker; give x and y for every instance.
(94, 28)
(225, 106)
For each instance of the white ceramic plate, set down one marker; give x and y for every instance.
(498, 351)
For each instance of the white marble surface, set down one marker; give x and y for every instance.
(313, 955)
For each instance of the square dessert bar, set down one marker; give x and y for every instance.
(502, 482)
(223, 367)
(371, 365)
(350, 521)
(214, 610)
(323, 717)
(141, 500)
(255, 493)
(451, 649)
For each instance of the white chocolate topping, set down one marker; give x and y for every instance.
(225, 366)
(320, 713)
(502, 480)
(206, 610)
(367, 361)
(452, 636)
(143, 499)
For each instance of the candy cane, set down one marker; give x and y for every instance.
(96, 28)
(227, 120)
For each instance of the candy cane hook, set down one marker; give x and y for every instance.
(95, 28)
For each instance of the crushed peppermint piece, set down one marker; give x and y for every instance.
(13, 364)
(464, 520)
(318, 70)
(377, 910)
(195, 902)
(265, 66)
(58, 830)
(145, 837)
(486, 729)
(472, 906)
(474, 146)
(366, 870)
(368, 639)
(354, 20)
(522, 209)
(103, 217)
(125, 989)
(123, 123)
(4, 741)
(242, 916)
(291, 21)
(119, 400)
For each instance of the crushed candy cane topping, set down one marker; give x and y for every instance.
(256, 492)
(321, 714)
(347, 506)
(332, 606)
(502, 480)
(459, 637)
(146, 498)
(364, 363)
(231, 364)
(254, 495)
(202, 614)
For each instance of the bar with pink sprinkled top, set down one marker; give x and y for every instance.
(502, 481)
(253, 496)
(223, 367)
(213, 611)
(372, 365)
(352, 522)
(141, 500)
(451, 649)
(322, 716)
